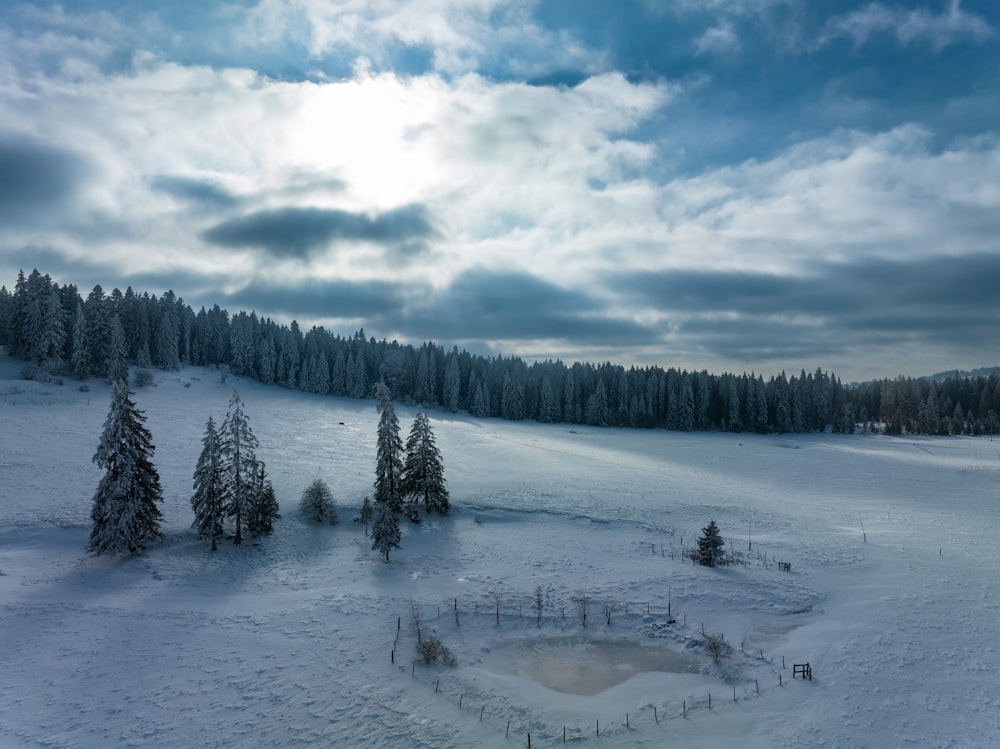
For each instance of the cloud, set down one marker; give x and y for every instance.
(915, 26)
(36, 178)
(322, 300)
(299, 232)
(198, 191)
(485, 306)
(718, 40)
(451, 37)
(835, 308)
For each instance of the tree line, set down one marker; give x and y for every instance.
(59, 332)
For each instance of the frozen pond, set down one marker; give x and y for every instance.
(588, 667)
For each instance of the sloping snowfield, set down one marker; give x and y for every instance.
(307, 639)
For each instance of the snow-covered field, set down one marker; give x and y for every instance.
(891, 596)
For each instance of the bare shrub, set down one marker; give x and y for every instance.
(582, 600)
(432, 650)
(143, 378)
(717, 646)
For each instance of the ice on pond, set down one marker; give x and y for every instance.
(588, 667)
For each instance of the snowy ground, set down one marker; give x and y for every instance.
(293, 642)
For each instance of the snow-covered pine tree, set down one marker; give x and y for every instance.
(117, 355)
(53, 341)
(208, 500)
(385, 529)
(359, 389)
(547, 402)
(366, 514)
(452, 383)
(237, 446)
(317, 503)
(597, 406)
(423, 473)
(125, 513)
(710, 545)
(79, 358)
(389, 446)
(512, 400)
(388, 470)
(263, 509)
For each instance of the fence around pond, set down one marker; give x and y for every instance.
(518, 614)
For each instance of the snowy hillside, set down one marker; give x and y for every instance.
(293, 642)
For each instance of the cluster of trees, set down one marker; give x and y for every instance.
(57, 330)
(404, 480)
(230, 482)
(231, 488)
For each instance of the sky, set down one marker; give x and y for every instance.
(730, 185)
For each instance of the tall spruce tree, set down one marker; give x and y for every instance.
(710, 545)
(125, 514)
(423, 473)
(238, 445)
(208, 500)
(389, 447)
(388, 471)
(117, 355)
(79, 358)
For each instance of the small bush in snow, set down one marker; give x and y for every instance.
(717, 646)
(317, 503)
(432, 650)
(143, 378)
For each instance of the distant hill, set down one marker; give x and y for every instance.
(980, 372)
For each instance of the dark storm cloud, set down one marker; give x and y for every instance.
(480, 305)
(201, 192)
(298, 232)
(36, 177)
(937, 300)
(319, 300)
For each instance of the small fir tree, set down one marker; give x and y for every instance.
(208, 500)
(125, 513)
(710, 545)
(365, 516)
(423, 473)
(385, 529)
(317, 503)
(263, 509)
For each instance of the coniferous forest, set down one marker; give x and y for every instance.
(58, 332)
